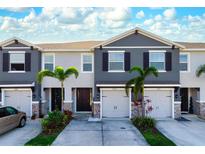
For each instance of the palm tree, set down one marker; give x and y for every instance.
(200, 70)
(60, 74)
(138, 83)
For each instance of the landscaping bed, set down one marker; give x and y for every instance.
(51, 128)
(153, 136)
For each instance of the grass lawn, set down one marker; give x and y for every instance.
(156, 138)
(42, 140)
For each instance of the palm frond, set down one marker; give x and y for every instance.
(200, 70)
(128, 85)
(137, 69)
(59, 73)
(151, 71)
(44, 73)
(71, 71)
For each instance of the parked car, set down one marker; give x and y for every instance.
(11, 118)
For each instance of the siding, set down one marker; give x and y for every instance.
(23, 77)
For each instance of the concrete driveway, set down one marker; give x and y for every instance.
(19, 136)
(184, 133)
(105, 133)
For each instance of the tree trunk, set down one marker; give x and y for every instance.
(143, 104)
(62, 96)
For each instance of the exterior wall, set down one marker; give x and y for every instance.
(189, 80)
(23, 78)
(67, 59)
(105, 77)
(136, 40)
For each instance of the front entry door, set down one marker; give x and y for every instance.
(83, 100)
(55, 99)
(184, 99)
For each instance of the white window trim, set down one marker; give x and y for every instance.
(159, 51)
(90, 54)
(117, 51)
(17, 52)
(43, 60)
(188, 62)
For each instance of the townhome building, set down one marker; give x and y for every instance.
(103, 72)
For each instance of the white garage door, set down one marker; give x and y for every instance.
(115, 103)
(161, 101)
(19, 99)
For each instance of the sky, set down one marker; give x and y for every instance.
(63, 24)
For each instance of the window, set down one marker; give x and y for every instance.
(116, 61)
(183, 62)
(157, 59)
(11, 111)
(49, 62)
(87, 62)
(17, 61)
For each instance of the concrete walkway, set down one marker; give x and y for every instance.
(19, 136)
(186, 133)
(105, 133)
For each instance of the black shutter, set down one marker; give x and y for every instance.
(145, 60)
(127, 61)
(27, 62)
(168, 61)
(5, 62)
(105, 61)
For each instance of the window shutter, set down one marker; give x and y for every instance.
(5, 62)
(105, 61)
(27, 62)
(145, 60)
(127, 61)
(168, 61)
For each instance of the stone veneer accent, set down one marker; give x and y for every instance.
(68, 106)
(200, 109)
(177, 110)
(96, 110)
(35, 109)
(136, 110)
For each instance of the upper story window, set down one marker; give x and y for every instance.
(183, 59)
(49, 62)
(116, 61)
(17, 61)
(87, 62)
(157, 59)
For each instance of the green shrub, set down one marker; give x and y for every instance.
(144, 123)
(54, 121)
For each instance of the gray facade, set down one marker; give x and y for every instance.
(23, 78)
(136, 59)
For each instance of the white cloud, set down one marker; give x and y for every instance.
(158, 17)
(14, 9)
(140, 14)
(148, 22)
(72, 24)
(169, 13)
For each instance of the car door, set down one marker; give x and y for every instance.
(4, 122)
(12, 115)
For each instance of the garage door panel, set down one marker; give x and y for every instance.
(115, 103)
(19, 99)
(161, 101)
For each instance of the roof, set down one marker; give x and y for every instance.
(193, 45)
(143, 32)
(69, 45)
(13, 39)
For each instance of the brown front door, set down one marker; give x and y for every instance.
(83, 99)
